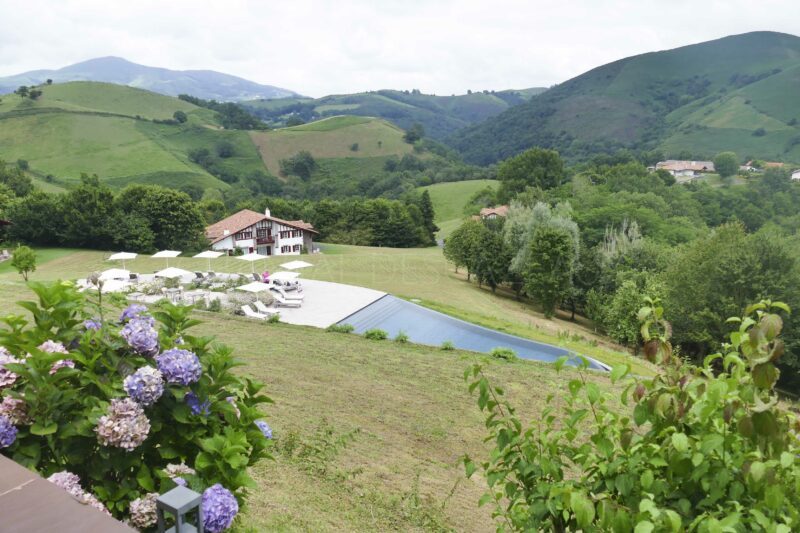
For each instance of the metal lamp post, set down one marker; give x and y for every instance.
(179, 502)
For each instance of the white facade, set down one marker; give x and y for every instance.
(266, 237)
(796, 175)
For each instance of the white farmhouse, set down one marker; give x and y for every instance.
(796, 175)
(686, 169)
(261, 233)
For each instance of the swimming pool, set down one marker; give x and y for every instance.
(426, 326)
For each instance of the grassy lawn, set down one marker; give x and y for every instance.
(449, 200)
(408, 406)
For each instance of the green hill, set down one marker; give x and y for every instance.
(450, 200)
(439, 115)
(701, 98)
(333, 138)
(127, 135)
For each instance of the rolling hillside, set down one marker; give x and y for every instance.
(439, 115)
(127, 135)
(333, 138)
(201, 83)
(450, 200)
(702, 98)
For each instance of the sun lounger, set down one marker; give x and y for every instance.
(293, 296)
(263, 309)
(199, 275)
(280, 301)
(134, 276)
(249, 313)
(256, 277)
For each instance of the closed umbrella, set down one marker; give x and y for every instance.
(115, 273)
(172, 272)
(254, 287)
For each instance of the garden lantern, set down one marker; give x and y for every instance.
(179, 502)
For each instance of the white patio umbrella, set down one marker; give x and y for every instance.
(172, 272)
(208, 254)
(284, 276)
(253, 257)
(254, 287)
(291, 265)
(115, 273)
(123, 256)
(166, 254)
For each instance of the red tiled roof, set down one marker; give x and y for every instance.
(500, 210)
(244, 219)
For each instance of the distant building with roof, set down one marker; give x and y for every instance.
(494, 212)
(684, 169)
(261, 233)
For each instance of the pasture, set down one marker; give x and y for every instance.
(449, 201)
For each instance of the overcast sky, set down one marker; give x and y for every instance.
(324, 47)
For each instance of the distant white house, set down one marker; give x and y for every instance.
(796, 175)
(686, 169)
(261, 233)
(494, 212)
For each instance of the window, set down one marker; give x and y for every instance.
(296, 248)
(243, 235)
(286, 249)
(297, 233)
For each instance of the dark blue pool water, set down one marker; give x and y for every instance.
(426, 326)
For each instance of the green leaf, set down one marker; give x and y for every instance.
(757, 471)
(619, 372)
(145, 479)
(674, 520)
(592, 392)
(39, 429)
(583, 509)
(787, 459)
(640, 414)
(645, 526)
(680, 442)
(646, 479)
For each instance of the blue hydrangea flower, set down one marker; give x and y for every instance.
(180, 367)
(145, 386)
(91, 324)
(219, 508)
(141, 336)
(180, 481)
(132, 311)
(197, 407)
(8, 432)
(265, 429)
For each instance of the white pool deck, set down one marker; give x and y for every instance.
(327, 303)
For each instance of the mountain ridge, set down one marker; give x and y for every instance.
(207, 84)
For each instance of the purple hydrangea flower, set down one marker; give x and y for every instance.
(72, 484)
(219, 508)
(232, 400)
(180, 481)
(132, 311)
(125, 426)
(180, 367)
(7, 377)
(146, 385)
(197, 407)
(265, 429)
(140, 335)
(8, 432)
(53, 347)
(62, 363)
(143, 511)
(91, 324)
(15, 410)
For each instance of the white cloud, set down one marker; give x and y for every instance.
(321, 47)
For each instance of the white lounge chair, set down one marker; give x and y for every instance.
(263, 309)
(294, 296)
(280, 301)
(249, 313)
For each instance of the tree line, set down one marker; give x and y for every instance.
(599, 238)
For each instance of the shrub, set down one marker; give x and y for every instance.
(448, 346)
(340, 328)
(693, 449)
(506, 354)
(759, 132)
(118, 409)
(274, 319)
(401, 337)
(376, 334)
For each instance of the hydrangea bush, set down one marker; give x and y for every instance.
(117, 411)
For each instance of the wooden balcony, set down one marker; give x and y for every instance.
(265, 240)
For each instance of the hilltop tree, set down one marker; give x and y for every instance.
(24, 261)
(180, 116)
(22, 91)
(49, 81)
(535, 167)
(726, 164)
(414, 133)
(302, 164)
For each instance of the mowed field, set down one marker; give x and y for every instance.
(449, 201)
(407, 406)
(331, 138)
